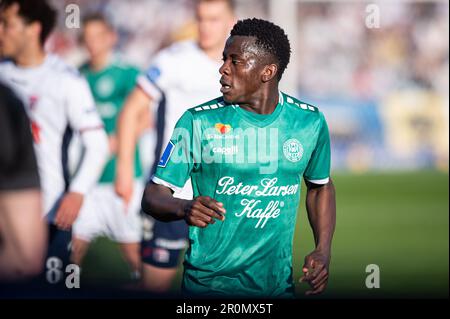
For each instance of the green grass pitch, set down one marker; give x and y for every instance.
(398, 221)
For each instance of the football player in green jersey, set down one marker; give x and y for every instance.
(246, 154)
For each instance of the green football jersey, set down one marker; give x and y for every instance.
(110, 87)
(254, 165)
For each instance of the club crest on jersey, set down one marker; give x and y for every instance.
(105, 86)
(166, 155)
(293, 150)
(222, 128)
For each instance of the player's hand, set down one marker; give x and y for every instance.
(124, 184)
(203, 210)
(315, 271)
(68, 210)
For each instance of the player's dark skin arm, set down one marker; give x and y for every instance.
(159, 203)
(321, 207)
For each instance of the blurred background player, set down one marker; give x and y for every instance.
(181, 76)
(23, 233)
(58, 101)
(104, 213)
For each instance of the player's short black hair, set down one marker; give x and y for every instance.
(269, 37)
(32, 11)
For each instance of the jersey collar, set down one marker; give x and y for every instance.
(261, 120)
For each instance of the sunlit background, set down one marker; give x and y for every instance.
(379, 71)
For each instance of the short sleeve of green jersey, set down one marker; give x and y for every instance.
(318, 169)
(177, 160)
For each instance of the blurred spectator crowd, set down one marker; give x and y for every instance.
(399, 69)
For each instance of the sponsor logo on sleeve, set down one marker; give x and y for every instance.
(166, 155)
(153, 73)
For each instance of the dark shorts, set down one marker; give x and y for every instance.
(59, 241)
(163, 242)
(58, 258)
(59, 244)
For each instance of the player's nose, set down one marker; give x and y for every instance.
(224, 69)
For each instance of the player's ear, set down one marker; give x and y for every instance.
(269, 72)
(34, 29)
(114, 39)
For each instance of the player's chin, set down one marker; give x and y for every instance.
(228, 97)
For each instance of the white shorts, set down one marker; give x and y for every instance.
(104, 214)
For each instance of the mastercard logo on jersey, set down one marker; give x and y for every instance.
(222, 128)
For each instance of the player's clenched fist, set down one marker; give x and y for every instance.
(203, 210)
(315, 271)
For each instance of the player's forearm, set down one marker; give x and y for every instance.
(95, 157)
(126, 137)
(159, 203)
(128, 126)
(321, 207)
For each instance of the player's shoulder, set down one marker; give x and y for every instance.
(180, 47)
(119, 63)
(116, 65)
(210, 107)
(6, 69)
(175, 52)
(5, 64)
(5, 61)
(7, 94)
(169, 61)
(84, 68)
(300, 107)
(54, 64)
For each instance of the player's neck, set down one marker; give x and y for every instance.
(99, 62)
(31, 57)
(263, 102)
